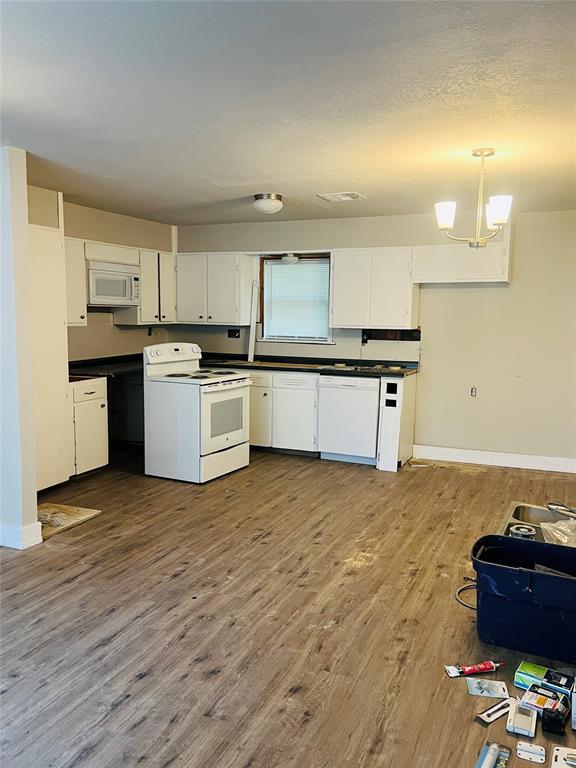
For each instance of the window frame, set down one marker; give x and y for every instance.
(294, 340)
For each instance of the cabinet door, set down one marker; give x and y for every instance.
(75, 281)
(488, 264)
(223, 284)
(294, 419)
(391, 289)
(149, 297)
(350, 288)
(260, 416)
(191, 287)
(167, 274)
(90, 435)
(434, 263)
(119, 254)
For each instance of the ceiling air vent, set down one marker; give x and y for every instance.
(341, 197)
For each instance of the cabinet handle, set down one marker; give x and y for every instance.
(93, 392)
(209, 317)
(155, 317)
(265, 394)
(163, 317)
(82, 317)
(200, 317)
(103, 405)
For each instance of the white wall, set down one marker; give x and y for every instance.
(515, 343)
(19, 526)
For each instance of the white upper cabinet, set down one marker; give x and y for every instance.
(76, 312)
(393, 296)
(118, 254)
(373, 288)
(191, 287)
(214, 288)
(167, 277)
(458, 263)
(157, 292)
(149, 311)
(350, 276)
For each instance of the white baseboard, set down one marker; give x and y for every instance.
(495, 459)
(17, 537)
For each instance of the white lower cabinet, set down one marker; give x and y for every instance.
(294, 413)
(261, 400)
(90, 421)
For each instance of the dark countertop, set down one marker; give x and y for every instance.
(360, 369)
(120, 366)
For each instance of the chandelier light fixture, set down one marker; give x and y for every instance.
(497, 209)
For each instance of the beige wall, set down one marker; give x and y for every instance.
(101, 338)
(93, 224)
(42, 207)
(515, 343)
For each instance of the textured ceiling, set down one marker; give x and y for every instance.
(180, 111)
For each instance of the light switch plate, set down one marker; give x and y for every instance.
(532, 752)
(561, 757)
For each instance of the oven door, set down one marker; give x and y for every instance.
(225, 415)
(113, 289)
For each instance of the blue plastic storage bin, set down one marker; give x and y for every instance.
(520, 606)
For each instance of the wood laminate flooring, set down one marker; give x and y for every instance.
(296, 613)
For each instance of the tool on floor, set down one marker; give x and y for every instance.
(460, 670)
(494, 688)
(532, 752)
(521, 719)
(564, 757)
(489, 755)
(493, 713)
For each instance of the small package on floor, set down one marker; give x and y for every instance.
(541, 698)
(493, 755)
(529, 674)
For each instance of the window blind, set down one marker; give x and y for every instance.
(296, 299)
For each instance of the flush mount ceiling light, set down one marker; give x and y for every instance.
(497, 209)
(290, 258)
(268, 202)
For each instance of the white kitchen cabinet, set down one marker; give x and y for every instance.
(49, 350)
(157, 292)
(394, 299)
(261, 405)
(294, 411)
(373, 288)
(118, 254)
(458, 263)
(350, 278)
(90, 419)
(214, 288)
(167, 277)
(76, 304)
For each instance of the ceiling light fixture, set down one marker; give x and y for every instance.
(268, 202)
(290, 258)
(497, 209)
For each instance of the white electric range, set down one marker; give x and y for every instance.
(196, 420)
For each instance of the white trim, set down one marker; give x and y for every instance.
(495, 459)
(17, 537)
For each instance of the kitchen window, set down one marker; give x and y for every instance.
(295, 299)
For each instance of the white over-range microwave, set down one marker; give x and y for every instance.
(113, 285)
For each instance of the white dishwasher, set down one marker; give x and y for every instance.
(348, 418)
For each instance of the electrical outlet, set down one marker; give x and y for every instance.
(473, 391)
(233, 333)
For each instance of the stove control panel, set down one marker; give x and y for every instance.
(171, 353)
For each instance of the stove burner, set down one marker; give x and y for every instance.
(227, 373)
(199, 377)
(177, 375)
(205, 370)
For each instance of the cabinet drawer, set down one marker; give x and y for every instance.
(89, 389)
(261, 378)
(295, 380)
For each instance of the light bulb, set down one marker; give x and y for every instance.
(499, 206)
(268, 202)
(445, 214)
